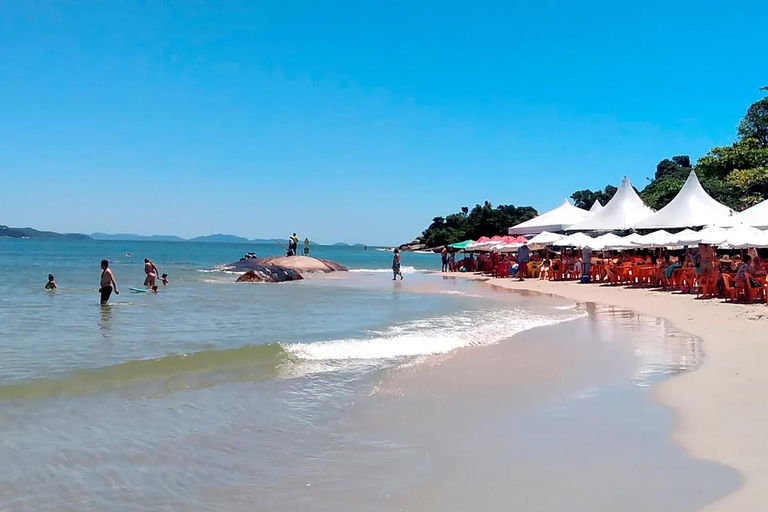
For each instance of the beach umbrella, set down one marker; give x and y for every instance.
(461, 245)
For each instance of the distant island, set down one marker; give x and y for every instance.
(217, 238)
(7, 232)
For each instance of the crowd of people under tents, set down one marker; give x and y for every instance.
(733, 274)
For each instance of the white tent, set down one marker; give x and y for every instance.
(609, 240)
(692, 206)
(756, 216)
(631, 241)
(545, 238)
(658, 238)
(622, 212)
(558, 219)
(687, 237)
(742, 237)
(596, 206)
(579, 240)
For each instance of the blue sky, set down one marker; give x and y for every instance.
(354, 121)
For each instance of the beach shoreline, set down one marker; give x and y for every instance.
(717, 418)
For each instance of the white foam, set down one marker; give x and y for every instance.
(429, 336)
(405, 270)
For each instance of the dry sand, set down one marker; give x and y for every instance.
(720, 412)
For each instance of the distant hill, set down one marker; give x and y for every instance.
(130, 237)
(6, 232)
(220, 239)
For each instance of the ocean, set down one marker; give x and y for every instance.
(340, 392)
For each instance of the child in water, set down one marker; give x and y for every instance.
(164, 279)
(51, 284)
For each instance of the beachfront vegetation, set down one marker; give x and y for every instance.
(586, 198)
(735, 175)
(482, 220)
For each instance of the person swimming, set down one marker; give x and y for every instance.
(164, 279)
(51, 284)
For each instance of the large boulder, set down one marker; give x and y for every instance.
(269, 274)
(301, 264)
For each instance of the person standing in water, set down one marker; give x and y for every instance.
(51, 284)
(108, 283)
(152, 271)
(306, 247)
(396, 266)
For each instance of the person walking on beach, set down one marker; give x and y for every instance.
(108, 283)
(396, 266)
(523, 257)
(151, 270)
(444, 258)
(306, 247)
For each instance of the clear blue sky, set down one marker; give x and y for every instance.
(354, 121)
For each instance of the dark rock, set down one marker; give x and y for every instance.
(269, 274)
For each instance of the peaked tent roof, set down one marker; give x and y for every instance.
(622, 212)
(692, 206)
(558, 219)
(756, 216)
(596, 206)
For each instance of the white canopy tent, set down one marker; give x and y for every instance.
(558, 219)
(756, 217)
(622, 212)
(609, 240)
(596, 206)
(579, 240)
(692, 206)
(687, 237)
(630, 241)
(545, 238)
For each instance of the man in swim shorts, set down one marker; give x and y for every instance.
(152, 271)
(107, 282)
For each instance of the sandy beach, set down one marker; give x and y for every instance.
(718, 413)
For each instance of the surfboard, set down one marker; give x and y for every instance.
(138, 290)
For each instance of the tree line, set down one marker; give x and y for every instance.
(735, 175)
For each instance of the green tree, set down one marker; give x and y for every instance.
(668, 180)
(755, 122)
(482, 220)
(586, 198)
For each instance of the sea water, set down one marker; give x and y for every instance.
(216, 395)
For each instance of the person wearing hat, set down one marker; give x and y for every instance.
(725, 264)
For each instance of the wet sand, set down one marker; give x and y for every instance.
(718, 407)
(555, 418)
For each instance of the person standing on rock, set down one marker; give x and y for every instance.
(293, 245)
(396, 266)
(306, 247)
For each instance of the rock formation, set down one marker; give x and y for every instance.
(269, 274)
(279, 269)
(301, 264)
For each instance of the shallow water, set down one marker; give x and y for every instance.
(324, 394)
